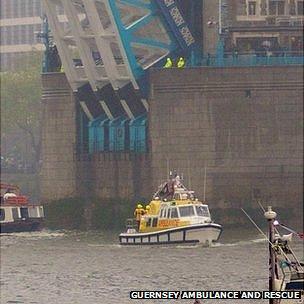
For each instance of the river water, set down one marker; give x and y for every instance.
(62, 267)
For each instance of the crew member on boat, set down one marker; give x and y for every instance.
(147, 209)
(139, 211)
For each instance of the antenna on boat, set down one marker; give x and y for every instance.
(256, 226)
(265, 236)
(205, 181)
(189, 176)
(259, 202)
(168, 169)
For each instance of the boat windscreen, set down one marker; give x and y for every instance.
(2, 214)
(186, 211)
(202, 211)
(174, 213)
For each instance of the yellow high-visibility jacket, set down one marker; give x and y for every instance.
(169, 63)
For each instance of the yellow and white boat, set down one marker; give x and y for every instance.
(174, 216)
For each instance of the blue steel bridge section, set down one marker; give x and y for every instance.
(115, 42)
(173, 35)
(119, 134)
(106, 49)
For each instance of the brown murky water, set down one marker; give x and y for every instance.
(89, 268)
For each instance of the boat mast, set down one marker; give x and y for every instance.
(189, 176)
(168, 169)
(270, 216)
(205, 177)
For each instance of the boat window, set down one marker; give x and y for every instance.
(186, 211)
(41, 211)
(154, 222)
(174, 213)
(169, 213)
(2, 214)
(202, 211)
(24, 213)
(15, 213)
(165, 212)
(149, 222)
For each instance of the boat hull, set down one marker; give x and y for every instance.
(21, 226)
(204, 234)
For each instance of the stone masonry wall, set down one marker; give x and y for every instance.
(65, 174)
(58, 139)
(244, 124)
(114, 175)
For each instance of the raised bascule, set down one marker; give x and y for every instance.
(106, 48)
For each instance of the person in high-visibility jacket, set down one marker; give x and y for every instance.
(181, 62)
(147, 209)
(139, 211)
(168, 63)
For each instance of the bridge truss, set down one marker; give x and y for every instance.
(109, 45)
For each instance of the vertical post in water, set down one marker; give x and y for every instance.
(270, 216)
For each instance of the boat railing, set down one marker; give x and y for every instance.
(20, 200)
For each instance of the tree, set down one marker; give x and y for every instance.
(21, 110)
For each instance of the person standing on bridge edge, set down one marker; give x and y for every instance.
(181, 62)
(168, 63)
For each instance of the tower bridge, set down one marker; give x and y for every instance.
(107, 47)
(237, 114)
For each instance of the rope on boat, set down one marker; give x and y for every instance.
(298, 234)
(265, 236)
(274, 246)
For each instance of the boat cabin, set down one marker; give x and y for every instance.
(173, 214)
(16, 214)
(173, 205)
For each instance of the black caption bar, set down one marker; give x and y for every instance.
(221, 295)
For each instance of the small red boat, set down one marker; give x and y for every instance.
(16, 213)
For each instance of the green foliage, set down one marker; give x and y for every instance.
(21, 96)
(65, 214)
(111, 214)
(21, 110)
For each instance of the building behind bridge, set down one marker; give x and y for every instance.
(19, 22)
(246, 24)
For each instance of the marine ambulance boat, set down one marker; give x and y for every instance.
(174, 216)
(16, 213)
